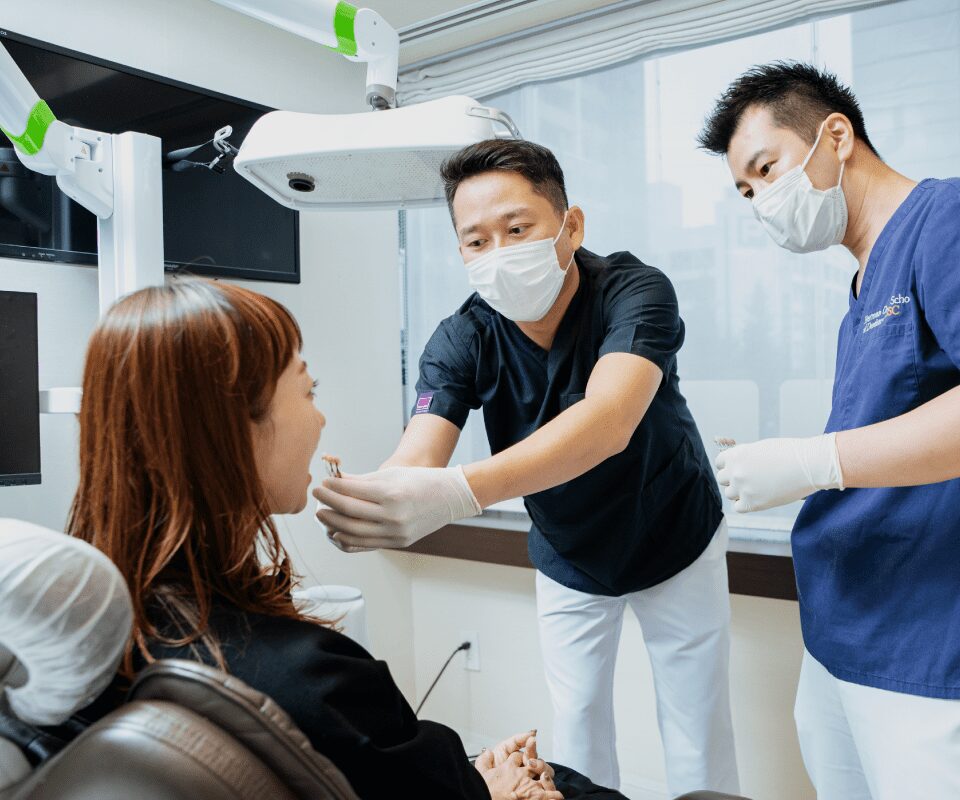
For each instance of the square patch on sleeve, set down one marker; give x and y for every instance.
(424, 401)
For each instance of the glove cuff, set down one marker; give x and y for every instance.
(822, 462)
(468, 500)
(836, 473)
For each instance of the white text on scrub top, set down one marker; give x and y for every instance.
(877, 318)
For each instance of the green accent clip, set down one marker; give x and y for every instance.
(343, 21)
(30, 142)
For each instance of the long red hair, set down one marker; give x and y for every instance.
(174, 377)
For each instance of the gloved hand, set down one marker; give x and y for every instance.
(394, 507)
(774, 472)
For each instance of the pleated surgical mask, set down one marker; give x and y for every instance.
(798, 216)
(520, 281)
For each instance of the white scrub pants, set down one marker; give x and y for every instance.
(861, 743)
(685, 623)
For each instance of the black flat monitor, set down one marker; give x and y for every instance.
(19, 390)
(213, 224)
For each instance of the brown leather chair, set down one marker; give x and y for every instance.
(189, 731)
(252, 719)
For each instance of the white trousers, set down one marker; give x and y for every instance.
(686, 627)
(861, 743)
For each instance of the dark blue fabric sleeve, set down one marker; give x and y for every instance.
(448, 369)
(641, 315)
(938, 271)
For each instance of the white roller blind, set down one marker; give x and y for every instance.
(601, 38)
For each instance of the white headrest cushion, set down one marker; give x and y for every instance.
(65, 615)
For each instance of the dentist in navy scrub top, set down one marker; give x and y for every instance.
(877, 544)
(572, 357)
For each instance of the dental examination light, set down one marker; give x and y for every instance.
(116, 176)
(387, 159)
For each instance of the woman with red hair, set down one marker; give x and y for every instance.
(198, 423)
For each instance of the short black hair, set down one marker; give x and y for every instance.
(800, 96)
(533, 161)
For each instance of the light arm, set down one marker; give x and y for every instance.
(360, 34)
(24, 117)
(80, 159)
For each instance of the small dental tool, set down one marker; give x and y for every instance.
(332, 464)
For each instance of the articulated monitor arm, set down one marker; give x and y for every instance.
(79, 158)
(360, 34)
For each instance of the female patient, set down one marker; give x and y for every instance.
(197, 424)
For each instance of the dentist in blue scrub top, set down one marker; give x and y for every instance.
(876, 546)
(573, 358)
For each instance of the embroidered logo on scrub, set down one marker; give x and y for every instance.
(892, 309)
(424, 401)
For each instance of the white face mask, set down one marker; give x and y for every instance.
(799, 217)
(521, 281)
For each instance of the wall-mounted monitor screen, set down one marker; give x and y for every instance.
(19, 390)
(214, 224)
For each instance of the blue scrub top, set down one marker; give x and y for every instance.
(641, 516)
(878, 570)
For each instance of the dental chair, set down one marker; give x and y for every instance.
(188, 730)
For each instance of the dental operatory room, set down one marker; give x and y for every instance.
(498, 400)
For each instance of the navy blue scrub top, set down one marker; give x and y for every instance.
(641, 516)
(878, 570)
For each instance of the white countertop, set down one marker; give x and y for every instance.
(743, 539)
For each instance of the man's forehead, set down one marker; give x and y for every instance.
(494, 196)
(755, 131)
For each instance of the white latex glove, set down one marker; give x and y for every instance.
(332, 535)
(394, 507)
(774, 472)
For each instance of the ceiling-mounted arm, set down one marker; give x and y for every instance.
(79, 158)
(360, 34)
(84, 162)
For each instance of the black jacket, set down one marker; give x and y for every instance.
(342, 699)
(348, 705)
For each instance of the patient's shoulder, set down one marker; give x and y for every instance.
(238, 629)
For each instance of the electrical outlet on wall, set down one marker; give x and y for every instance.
(472, 661)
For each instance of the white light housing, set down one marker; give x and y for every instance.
(374, 159)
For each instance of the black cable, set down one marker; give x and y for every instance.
(464, 646)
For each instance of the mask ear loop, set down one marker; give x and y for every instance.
(813, 150)
(840, 179)
(556, 238)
